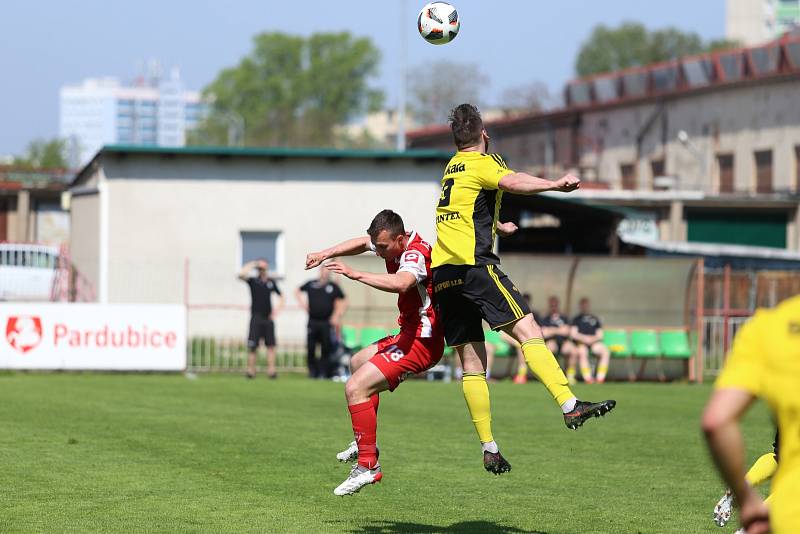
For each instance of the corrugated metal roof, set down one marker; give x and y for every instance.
(268, 153)
(279, 152)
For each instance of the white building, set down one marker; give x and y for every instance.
(174, 225)
(754, 22)
(103, 111)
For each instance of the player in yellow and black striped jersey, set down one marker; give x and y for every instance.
(469, 287)
(763, 363)
(466, 216)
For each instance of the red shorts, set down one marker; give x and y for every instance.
(401, 355)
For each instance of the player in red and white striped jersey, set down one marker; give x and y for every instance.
(383, 365)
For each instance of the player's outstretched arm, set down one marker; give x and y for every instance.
(399, 282)
(351, 247)
(524, 184)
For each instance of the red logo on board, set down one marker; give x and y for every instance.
(24, 332)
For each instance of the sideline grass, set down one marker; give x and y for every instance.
(156, 453)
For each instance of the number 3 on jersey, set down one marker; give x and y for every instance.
(444, 199)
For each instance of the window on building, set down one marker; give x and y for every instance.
(763, 171)
(725, 168)
(262, 245)
(628, 173)
(657, 169)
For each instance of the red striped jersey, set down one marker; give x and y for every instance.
(417, 313)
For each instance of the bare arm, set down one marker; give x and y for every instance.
(339, 307)
(351, 247)
(721, 428)
(247, 268)
(301, 299)
(575, 335)
(598, 336)
(399, 282)
(279, 308)
(505, 229)
(524, 184)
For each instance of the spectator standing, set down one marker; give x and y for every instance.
(325, 304)
(262, 314)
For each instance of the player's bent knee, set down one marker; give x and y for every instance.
(353, 388)
(523, 329)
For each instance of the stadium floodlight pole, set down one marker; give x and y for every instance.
(401, 106)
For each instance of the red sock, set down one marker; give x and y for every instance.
(376, 400)
(365, 428)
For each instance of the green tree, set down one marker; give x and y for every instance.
(631, 44)
(44, 154)
(292, 91)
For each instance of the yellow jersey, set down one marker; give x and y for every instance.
(765, 361)
(468, 209)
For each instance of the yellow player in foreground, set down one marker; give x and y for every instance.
(764, 363)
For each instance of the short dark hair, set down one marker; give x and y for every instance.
(466, 123)
(386, 220)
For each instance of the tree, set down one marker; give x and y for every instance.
(437, 87)
(630, 45)
(525, 98)
(292, 90)
(44, 154)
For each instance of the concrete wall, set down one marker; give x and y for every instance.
(738, 121)
(163, 212)
(85, 235)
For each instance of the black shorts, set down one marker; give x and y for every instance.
(261, 328)
(467, 294)
(775, 445)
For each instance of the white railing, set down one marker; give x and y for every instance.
(716, 341)
(204, 354)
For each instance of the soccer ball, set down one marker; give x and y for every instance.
(438, 23)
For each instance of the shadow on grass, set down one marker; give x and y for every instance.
(389, 527)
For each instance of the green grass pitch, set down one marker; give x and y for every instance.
(158, 453)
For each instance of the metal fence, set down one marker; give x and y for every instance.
(718, 336)
(230, 355)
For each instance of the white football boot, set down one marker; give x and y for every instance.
(722, 511)
(359, 477)
(350, 454)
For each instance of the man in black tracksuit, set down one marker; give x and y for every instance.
(325, 303)
(262, 314)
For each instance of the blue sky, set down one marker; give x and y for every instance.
(46, 44)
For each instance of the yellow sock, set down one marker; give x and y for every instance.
(522, 371)
(602, 371)
(545, 366)
(476, 393)
(762, 470)
(586, 373)
(571, 373)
